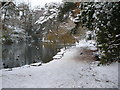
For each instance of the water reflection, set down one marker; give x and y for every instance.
(22, 53)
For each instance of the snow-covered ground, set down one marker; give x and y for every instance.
(75, 69)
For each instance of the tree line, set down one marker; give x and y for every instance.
(103, 19)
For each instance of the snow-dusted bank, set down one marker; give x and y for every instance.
(75, 69)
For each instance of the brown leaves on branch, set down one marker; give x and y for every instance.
(61, 36)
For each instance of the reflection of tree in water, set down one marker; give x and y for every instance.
(49, 50)
(19, 54)
(33, 52)
(12, 54)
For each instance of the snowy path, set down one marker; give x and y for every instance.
(71, 71)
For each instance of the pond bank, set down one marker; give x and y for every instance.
(26, 53)
(76, 69)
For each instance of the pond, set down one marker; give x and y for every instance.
(25, 53)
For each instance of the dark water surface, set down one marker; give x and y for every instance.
(25, 53)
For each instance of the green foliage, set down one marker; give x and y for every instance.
(7, 40)
(104, 18)
(67, 7)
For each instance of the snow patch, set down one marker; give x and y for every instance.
(64, 73)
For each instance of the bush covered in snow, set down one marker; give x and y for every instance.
(104, 19)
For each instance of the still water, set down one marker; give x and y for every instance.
(25, 53)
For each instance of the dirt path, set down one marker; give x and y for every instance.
(85, 54)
